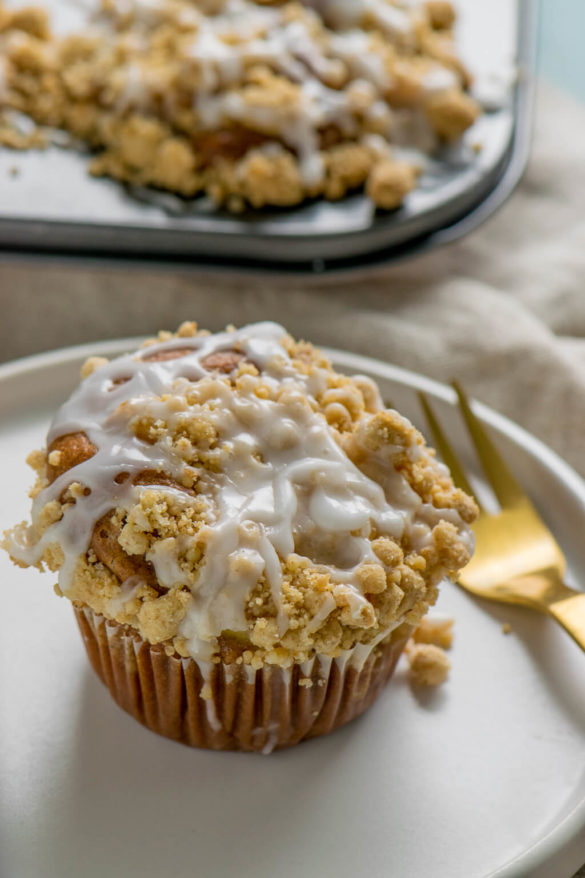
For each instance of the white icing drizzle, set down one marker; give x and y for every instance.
(439, 79)
(285, 485)
(341, 76)
(210, 709)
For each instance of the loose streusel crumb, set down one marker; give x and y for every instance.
(251, 103)
(506, 628)
(439, 632)
(429, 665)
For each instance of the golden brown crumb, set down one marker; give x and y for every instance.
(160, 618)
(372, 578)
(31, 19)
(187, 329)
(54, 457)
(347, 168)
(439, 632)
(451, 113)
(11, 138)
(506, 628)
(389, 182)
(441, 14)
(429, 665)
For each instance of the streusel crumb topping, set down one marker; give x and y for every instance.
(252, 103)
(235, 498)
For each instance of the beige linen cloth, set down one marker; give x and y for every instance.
(503, 310)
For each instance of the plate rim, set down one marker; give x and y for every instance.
(564, 843)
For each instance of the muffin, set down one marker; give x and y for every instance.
(254, 103)
(248, 537)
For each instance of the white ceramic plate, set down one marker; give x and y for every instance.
(481, 778)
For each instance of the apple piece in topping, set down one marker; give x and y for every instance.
(219, 361)
(71, 450)
(228, 143)
(222, 361)
(104, 542)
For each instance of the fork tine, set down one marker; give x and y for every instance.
(445, 448)
(505, 486)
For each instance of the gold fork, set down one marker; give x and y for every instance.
(517, 560)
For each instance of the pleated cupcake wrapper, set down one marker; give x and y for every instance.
(231, 706)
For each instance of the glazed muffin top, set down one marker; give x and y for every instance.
(234, 498)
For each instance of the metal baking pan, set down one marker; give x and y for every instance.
(53, 206)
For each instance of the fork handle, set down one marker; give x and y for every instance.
(569, 611)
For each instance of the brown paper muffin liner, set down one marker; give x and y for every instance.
(231, 706)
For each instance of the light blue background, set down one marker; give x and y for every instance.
(562, 44)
